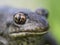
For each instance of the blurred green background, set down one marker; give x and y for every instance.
(52, 6)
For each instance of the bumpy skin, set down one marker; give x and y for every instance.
(33, 32)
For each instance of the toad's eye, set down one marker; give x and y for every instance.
(19, 18)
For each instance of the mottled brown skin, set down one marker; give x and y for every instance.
(33, 31)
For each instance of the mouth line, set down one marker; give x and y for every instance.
(33, 31)
(20, 34)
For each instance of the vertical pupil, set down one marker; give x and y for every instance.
(18, 18)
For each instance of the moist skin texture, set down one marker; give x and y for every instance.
(33, 32)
